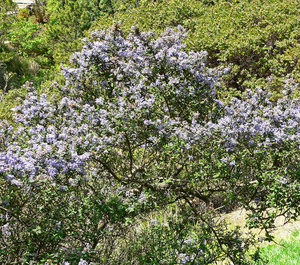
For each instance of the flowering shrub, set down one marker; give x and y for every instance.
(140, 127)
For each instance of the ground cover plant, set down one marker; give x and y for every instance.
(284, 252)
(139, 128)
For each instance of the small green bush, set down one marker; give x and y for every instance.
(27, 38)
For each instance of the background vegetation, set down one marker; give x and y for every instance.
(258, 39)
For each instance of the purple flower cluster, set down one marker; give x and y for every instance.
(258, 121)
(139, 93)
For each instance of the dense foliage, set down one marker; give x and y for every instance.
(139, 128)
(68, 20)
(260, 39)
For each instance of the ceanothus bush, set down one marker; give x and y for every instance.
(140, 127)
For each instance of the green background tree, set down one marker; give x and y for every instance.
(68, 21)
(7, 8)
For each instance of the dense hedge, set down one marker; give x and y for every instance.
(259, 38)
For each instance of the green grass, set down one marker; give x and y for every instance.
(286, 253)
